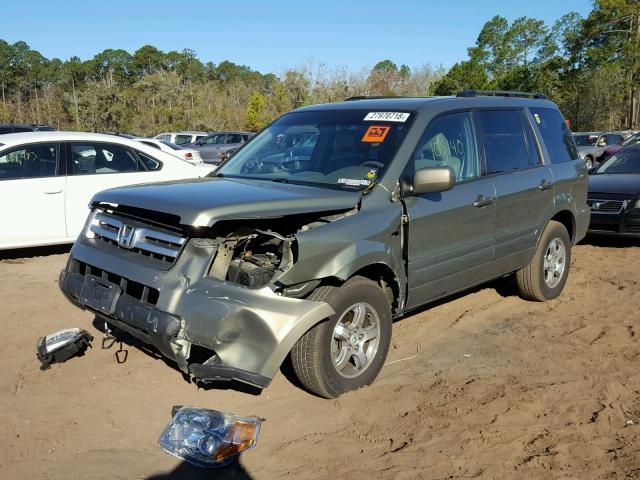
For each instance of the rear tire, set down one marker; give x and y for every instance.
(544, 278)
(346, 351)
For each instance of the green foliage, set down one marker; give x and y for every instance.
(462, 76)
(589, 66)
(255, 115)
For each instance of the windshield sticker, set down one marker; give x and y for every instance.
(387, 116)
(354, 182)
(376, 134)
(373, 173)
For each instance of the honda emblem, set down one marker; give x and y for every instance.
(126, 236)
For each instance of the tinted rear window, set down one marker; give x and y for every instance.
(556, 135)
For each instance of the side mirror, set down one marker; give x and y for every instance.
(434, 179)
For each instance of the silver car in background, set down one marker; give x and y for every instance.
(591, 145)
(214, 147)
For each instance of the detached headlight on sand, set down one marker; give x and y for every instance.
(207, 438)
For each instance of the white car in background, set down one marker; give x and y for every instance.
(181, 137)
(47, 180)
(187, 154)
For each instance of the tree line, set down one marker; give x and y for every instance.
(589, 65)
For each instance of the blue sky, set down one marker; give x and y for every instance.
(271, 35)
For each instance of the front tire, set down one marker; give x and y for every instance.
(545, 277)
(589, 161)
(346, 351)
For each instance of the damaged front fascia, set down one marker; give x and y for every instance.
(252, 330)
(330, 252)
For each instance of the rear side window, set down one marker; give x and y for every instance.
(504, 141)
(99, 158)
(234, 138)
(556, 135)
(613, 139)
(30, 161)
(180, 139)
(148, 162)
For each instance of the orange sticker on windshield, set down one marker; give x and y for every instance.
(376, 134)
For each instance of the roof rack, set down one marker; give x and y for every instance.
(365, 97)
(501, 93)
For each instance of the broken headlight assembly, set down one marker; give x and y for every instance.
(60, 346)
(208, 438)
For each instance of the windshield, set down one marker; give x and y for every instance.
(632, 140)
(622, 162)
(585, 140)
(329, 149)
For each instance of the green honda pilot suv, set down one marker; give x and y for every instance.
(332, 222)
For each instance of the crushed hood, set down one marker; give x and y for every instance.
(205, 201)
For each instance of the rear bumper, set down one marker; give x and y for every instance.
(213, 330)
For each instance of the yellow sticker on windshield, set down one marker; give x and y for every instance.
(376, 134)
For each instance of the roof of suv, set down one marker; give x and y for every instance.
(241, 132)
(421, 103)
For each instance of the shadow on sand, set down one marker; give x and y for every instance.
(185, 471)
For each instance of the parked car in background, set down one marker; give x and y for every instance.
(213, 147)
(181, 138)
(393, 203)
(187, 154)
(612, 149)
(24, 127)
(591, 145)
(48, 178)
(614, 194)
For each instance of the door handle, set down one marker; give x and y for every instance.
(482, 201)
(545, 185)
(53, 192)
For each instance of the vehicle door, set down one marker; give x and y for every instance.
(232, 140)
(96, 166)
(32, 188)
(450, 234)
(211, 146)
(524, 184)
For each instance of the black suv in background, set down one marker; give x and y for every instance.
(21, 127)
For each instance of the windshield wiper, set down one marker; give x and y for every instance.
(281, 180)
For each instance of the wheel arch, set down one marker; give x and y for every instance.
(568, 220)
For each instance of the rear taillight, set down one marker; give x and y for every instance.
(188, 155)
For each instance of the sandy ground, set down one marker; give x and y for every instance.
(485, 385)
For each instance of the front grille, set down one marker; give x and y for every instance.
(606, 206)
(137, 239)
(133, 289)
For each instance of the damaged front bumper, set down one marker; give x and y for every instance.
(213, 329)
